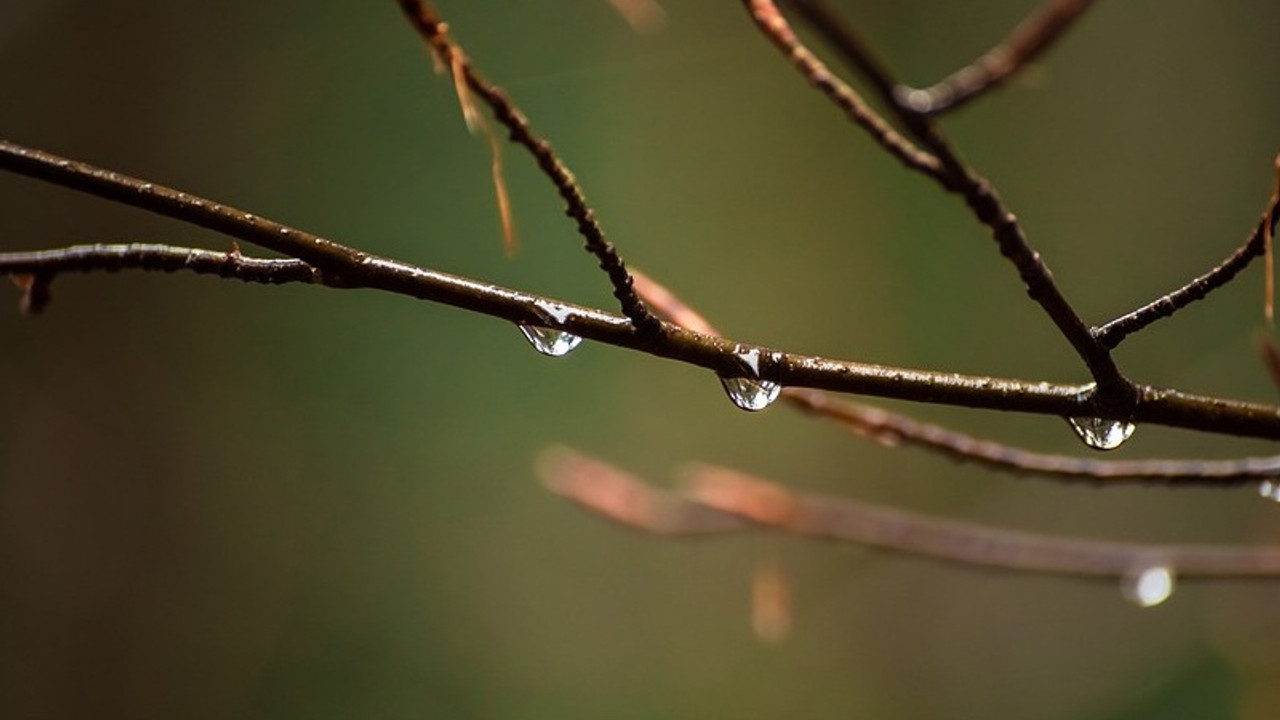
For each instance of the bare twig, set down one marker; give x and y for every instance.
(892, 428)
(163, 258)
(342, 265)
(775, 27)
(1113, 333)
(1115, 391)
(1028, 41)
(719, 500)
(435, 33)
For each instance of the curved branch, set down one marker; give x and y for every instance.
(775, 28)
(1113, 333)
(719, 501)
(1115, 390)
(1028, 41)
(345, 266)
(435, 33)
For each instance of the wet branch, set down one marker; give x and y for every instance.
(1114, 390)
(718, 501)
(1113, 333)
(347, 267)
(890, 428)
(450, 55)
(40, 267)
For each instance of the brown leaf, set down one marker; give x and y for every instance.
(770, 600)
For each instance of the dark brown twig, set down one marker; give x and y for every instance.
(436, 34)
(1031, 37)
(720, 501)
(893, 428)
(1113, 333)
(779, 32)
(1028, 41)
(163, 258)
(1115, 391)
(345, 266)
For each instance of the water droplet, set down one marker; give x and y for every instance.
(1148, 586)
(1270, 489)
(1101, 433)
(751, 394)
(549, 341)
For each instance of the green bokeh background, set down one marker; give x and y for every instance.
(220, 500)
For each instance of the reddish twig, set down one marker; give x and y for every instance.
(435, 33)
(1028, 41)
(719, 501)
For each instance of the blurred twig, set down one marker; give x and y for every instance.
(719, 500)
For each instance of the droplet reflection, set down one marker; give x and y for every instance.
(549, 341)
(751, 395)
(1148, 586)
(1101, 433)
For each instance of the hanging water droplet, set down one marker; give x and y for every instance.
(751, 394)
(1270, 489)
(549, 341)
(1148, 586)
(1101, 433)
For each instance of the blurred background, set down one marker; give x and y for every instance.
(221, 500)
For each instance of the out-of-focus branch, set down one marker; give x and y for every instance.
(1114, 389)
(436, 34)
(1028, 41)
(893, 428)
(718, 500)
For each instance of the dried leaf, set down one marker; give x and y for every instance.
(644, 16)
(770, 601)
(476, 124)
(458, 69)
(1270, 353)
(35, 292)
(500, 191)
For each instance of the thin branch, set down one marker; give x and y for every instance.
(1028, 41)
(891, 428)
(776, 29)
(162, 258)
(1031, 37)
(347, 267)
(435, 33)
(719, 501)
(1115, 390)
(1113, 333)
